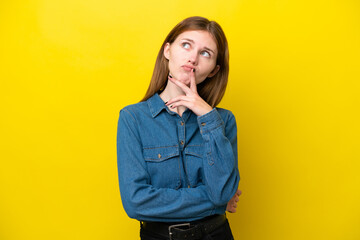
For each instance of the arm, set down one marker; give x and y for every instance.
(220, 168)
(140, 199)
(221, 165)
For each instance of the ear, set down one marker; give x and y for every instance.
(213, 72)
(167, 50)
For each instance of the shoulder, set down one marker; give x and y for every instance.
(133, 110)
(131, 116)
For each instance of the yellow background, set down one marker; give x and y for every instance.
(68, 66)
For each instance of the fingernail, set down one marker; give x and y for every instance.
(170, 76)
(171, 106)
(193, 69)
(166, 102)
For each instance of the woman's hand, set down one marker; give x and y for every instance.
(191, 99)
(232, 204)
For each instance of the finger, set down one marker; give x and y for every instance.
(231, 209)
(176, 99)
(238, 192)
(181, 85)
(192, 81)
(186, 104)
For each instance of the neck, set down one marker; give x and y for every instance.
(171, 91)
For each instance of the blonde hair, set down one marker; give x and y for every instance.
(211, 89)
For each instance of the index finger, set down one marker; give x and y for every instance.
(185, 88)
(192, 81)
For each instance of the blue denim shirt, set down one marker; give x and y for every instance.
(172, 168)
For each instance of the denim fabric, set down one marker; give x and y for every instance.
(172, 168)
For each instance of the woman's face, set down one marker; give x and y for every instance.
(192, 49)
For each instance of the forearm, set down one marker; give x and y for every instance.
(220, 164)
(144, 202)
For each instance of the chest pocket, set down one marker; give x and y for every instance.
(163, 164)
(194, 164)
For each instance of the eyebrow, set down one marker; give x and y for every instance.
(206, 48)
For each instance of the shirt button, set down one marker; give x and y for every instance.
(159, 155)
(182, 142)
(203, 124)
(182, 123)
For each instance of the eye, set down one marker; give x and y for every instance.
(186, 45)
(205, 54)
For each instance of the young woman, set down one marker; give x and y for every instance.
(177, 152)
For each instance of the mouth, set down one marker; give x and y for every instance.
(187, 68)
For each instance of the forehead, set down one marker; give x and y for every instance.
(200, 38)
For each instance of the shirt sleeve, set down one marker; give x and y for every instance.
(221, 162)
(140, 199)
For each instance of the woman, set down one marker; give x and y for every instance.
(177, 153)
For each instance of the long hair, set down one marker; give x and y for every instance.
(211, 89)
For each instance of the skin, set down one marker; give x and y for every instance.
(232, 204)
(191, 50)
(192, 59)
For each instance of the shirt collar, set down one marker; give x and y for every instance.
(156, 104)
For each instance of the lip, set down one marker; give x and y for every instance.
(187, 67)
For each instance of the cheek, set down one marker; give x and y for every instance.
(172, 68)
(200, 77)
(172, 61)
(206, 71)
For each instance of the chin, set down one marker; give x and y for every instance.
(185, 81)
(184, 78)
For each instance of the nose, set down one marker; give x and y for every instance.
(193, 57)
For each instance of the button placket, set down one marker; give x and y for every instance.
(181, 127)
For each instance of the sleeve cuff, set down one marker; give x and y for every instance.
(209, 121)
